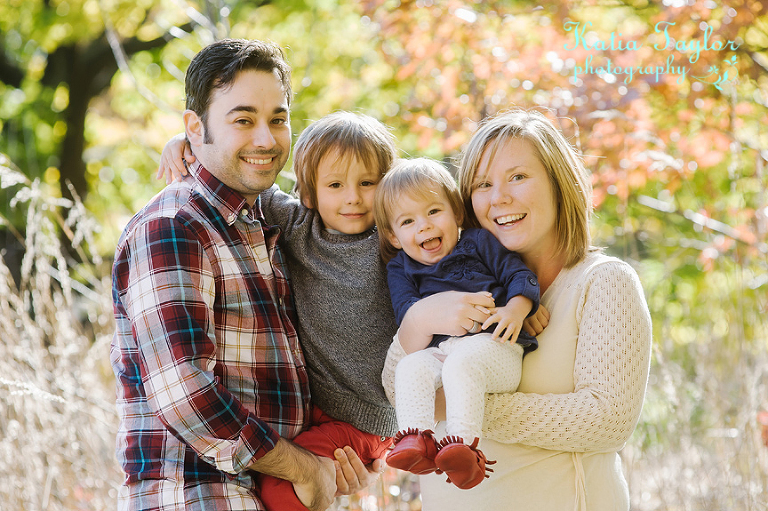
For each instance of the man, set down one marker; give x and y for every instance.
(210, 376)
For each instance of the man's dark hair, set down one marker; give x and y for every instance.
(217, 66)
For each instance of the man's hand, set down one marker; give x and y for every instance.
(351, 475)
(317, 493)
(313, 478)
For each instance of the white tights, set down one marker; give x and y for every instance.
(474, 365)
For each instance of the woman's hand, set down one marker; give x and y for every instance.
(536, 324)
(451, 313)
(351, 475)
(175, 152)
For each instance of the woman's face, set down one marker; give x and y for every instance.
(513, 198)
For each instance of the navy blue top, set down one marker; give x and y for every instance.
(479, 262)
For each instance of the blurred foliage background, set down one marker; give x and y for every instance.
(90, 90)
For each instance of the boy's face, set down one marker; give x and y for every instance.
(425, 227)
(345, 188)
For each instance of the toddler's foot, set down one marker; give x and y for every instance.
(414, 451)
(465, 465)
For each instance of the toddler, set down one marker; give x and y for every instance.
(418, 211)
(345, 319)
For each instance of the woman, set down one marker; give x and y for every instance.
(556, 440)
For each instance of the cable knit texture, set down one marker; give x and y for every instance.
(581, 391)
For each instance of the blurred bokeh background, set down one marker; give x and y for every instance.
(667, 100)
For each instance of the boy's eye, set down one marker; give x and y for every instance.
(406, 221)
(243, 121)
(368, 183)
(334, 185)
(516, 177)
(482, 184)
(434, 211)
(279, 121)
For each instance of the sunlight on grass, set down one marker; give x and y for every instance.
(698, 445)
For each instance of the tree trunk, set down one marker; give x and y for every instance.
(71, 165)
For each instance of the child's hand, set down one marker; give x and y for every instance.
(172, 160)
(509, 319)
(536, 324)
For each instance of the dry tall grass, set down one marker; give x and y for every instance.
(697, 447)
(57, 413)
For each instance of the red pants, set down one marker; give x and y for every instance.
(323, 437)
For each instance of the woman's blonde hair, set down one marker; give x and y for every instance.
(570, 181)
(350, 134)
(418, 178)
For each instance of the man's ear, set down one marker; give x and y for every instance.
(193, 126)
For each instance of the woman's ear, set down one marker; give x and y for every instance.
(460, 216)
(459, 213)
(193, 126)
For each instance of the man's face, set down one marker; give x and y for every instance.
(246, 139)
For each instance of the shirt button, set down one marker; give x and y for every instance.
(244, 212)
(532, 280)
(231, 217)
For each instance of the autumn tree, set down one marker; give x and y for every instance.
(55, 57)
(665, 98)
(667, 101)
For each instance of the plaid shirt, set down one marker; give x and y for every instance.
(208, 364)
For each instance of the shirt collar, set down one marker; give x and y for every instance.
(229, 203)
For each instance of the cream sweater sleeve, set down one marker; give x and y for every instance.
(394, 355)
(610, 373)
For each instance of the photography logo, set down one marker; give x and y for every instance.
(666, 65)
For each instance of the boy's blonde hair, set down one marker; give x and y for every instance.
(350, 134)
(570, 181)
(419, 178)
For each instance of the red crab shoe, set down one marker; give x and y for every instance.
(414, 451)
(465, 465)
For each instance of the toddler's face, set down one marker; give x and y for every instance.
(345, 188)
(425, 227)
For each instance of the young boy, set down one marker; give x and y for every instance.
(419, 210)
(338, 278)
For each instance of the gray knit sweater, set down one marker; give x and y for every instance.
(346, 323)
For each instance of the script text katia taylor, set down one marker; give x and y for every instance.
(691, 47)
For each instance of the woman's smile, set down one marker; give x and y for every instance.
(509, 219)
